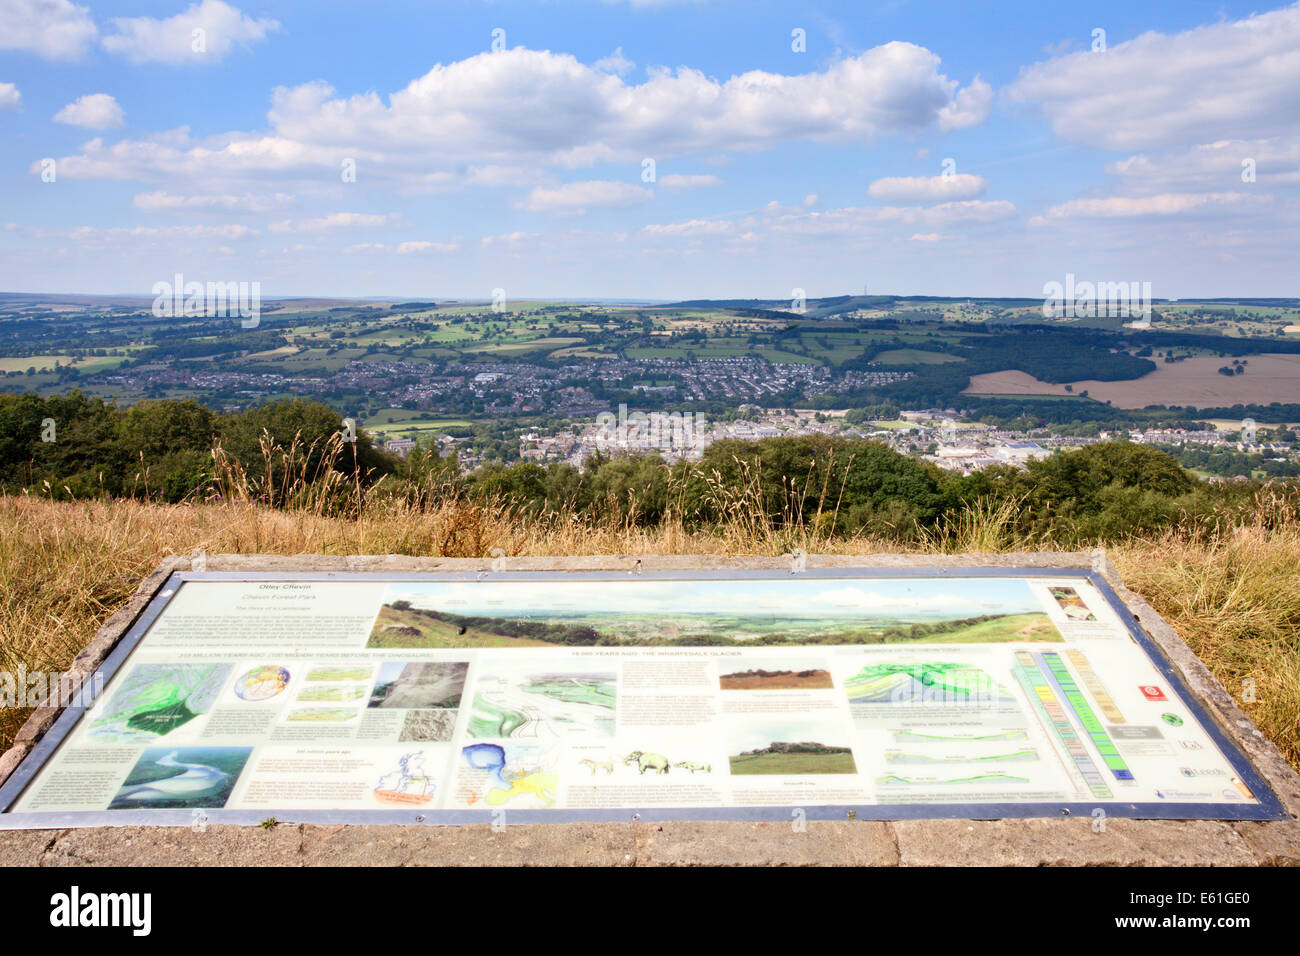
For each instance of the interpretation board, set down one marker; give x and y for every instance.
(558, 696)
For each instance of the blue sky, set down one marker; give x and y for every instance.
(522, 168)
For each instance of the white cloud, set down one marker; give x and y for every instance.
(969, 107)
(508, 238)
(10, 98)
(526, 109)
(854, 221)
(692, 227)
(850, 221)
(1162, 205)
(1276, 161)
(338, 220)
(54, 29)
(92, 111)
(407, 248)
(1232, 79)
(927, 188)
(203, 33)
(162, 201)
(681, 182)
(927, 237)
(615, 63)
(493, 175)
(575, 199)
(97, 235)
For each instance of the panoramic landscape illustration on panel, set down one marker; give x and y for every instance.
(709, 613)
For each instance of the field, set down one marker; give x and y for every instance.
(1193, 381)
(46, 363)
(403, 423)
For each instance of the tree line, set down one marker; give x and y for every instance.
(71, 446)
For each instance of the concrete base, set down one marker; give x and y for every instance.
(906, 843)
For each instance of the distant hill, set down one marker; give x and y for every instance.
(802, 747)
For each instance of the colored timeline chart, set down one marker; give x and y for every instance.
(1084, 714)
(1088, 677)
(1035, 675)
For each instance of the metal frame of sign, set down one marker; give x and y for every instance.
(1269, 807)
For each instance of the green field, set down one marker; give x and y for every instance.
(1011, 627)
(914, 357)
(46, 363)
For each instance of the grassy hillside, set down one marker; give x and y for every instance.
(1233, 593)
(395, 627)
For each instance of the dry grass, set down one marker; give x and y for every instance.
(1234, 597)
(66, 566)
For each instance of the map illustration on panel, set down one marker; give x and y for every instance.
(945, 682)
(507, 774)
(737, 613)
(528, 704)
(156, 699)
(408, 783)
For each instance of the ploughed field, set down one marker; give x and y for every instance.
(1193, 381)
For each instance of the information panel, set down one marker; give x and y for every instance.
(446, 698)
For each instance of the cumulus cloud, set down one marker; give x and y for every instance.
(1233, 79)
(53, 29)
(202, 33)
(575, 199)
(524, 109)
(10, 98)
(969, 107)
(927, 188)
(93, 111)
